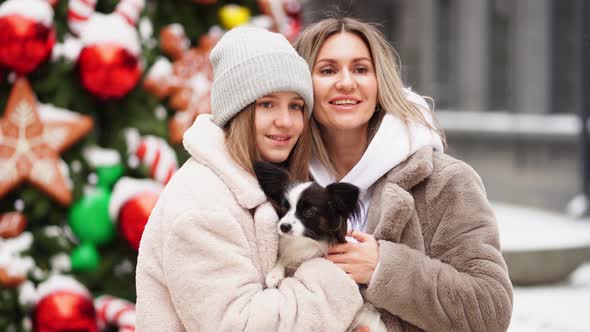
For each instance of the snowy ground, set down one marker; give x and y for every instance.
(560, 308)
(563, 307)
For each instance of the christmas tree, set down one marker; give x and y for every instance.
(94, 99)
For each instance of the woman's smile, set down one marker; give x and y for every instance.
(345, 102)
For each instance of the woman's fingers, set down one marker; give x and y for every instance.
(339, 248)
(353, 271)
(361, 237)
(338, 258)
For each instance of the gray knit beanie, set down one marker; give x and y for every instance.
(249, 63)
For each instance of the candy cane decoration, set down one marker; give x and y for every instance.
(155, 153)
(285, 14)
(80, 11)
(159, 156)
(114, 311)
(278, 12)
(130, 10)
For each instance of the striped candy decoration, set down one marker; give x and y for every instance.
(80, 11)
(116, 312)
(130, 10)
(155, 153)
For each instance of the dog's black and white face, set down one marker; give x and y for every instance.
(308, 209)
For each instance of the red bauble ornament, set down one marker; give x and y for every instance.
(24, 43)
(64, 311)
(108, 71)
(134, 215)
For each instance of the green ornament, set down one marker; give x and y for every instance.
(108, 175)
(85, 258)
(89, 217)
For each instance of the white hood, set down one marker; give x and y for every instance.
(392, 144)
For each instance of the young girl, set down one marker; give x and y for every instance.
(428, 254)
(211, 239)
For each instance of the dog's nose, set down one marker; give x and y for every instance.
(286, 228)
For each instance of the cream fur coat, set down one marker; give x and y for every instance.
(208, 245)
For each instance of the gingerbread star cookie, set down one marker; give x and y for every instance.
(186, 81)
(32, 136)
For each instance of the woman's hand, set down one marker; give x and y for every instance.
(362, 329)
(358, 260)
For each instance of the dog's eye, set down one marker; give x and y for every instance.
(307, 213)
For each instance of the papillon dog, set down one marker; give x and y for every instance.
(311, 219)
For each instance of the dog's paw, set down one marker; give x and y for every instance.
(274, 277)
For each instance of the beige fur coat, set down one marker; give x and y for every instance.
(440, 267)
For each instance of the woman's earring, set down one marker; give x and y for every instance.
(377, 108)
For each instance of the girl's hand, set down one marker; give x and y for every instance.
(362, 329)
(358, 260)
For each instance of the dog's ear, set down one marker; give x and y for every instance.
(341, 229)
(273, 180)
(344, 199)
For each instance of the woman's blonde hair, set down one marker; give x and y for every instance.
(241, 145)
(390, 98)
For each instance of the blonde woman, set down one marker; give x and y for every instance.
(212, 238)
(428, 252)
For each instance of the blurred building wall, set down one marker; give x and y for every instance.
(486, 63)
